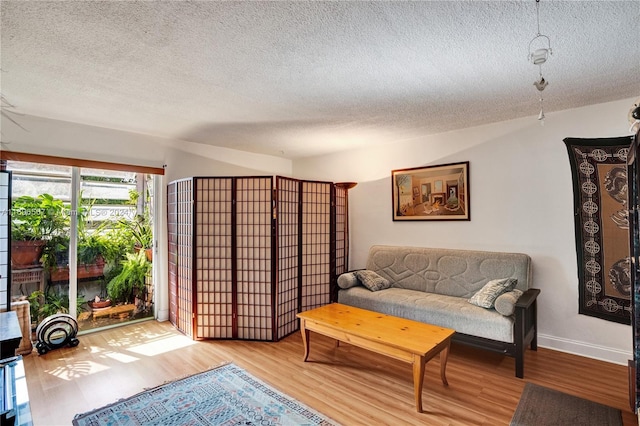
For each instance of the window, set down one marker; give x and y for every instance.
(96, 262)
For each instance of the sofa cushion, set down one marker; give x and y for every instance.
(450, 272)
(436, 309)
(505, 304)
(487, 295)
(348, 280)
(372, 280)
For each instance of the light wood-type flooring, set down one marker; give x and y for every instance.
(351, 385)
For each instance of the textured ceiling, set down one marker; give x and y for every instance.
(306, 78)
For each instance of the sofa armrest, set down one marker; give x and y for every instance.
(525, 327)
(527, 298)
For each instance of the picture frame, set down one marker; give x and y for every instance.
(438, 192)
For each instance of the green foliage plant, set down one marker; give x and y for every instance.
(90, 248)
(37, 218)
(43, 305)
(55, 252)
(141, 226)
(131, 279)
(140, 229)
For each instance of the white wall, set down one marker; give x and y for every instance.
(521, 200)
(520, 189)
(182, 159)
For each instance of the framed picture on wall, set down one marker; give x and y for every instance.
(431, 193)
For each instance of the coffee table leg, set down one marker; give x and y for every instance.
(444, 356)
(305, 340)
(418, 378)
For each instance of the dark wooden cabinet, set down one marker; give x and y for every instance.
(10, 334)
(15, 408)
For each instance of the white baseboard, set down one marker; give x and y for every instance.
(588, 350)
(162, 315)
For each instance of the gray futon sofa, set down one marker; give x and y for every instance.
(436, 286)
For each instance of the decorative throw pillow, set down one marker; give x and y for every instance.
(486, 296)
(372, 280)
(348, 280)
(505, 304)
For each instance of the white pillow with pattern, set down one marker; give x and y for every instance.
(372, 280)
(487, 295)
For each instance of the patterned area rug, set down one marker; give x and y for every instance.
(226, 395)
(540, 406)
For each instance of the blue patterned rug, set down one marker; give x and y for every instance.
(226, 395)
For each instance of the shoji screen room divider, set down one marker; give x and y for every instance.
(248, 253)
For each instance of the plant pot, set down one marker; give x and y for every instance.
(148, 252)
(61, 273)
(26, 254)
(99, 305)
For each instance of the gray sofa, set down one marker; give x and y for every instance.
(434, 286)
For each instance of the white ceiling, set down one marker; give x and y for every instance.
(304, 78)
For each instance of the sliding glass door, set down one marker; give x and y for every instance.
(97, 257)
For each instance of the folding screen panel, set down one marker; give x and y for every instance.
(254, 256)
(316, 254)
(341, 234)
(254, 212)
(5, 240)
(213, 263)
(172, 249)
(288, 233)
(180, 240)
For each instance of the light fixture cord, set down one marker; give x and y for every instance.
(538, 15)
(541, 116)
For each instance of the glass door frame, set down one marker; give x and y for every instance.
(75, 189)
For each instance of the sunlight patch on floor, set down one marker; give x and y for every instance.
(74, 371)
(162, 345)
(95, 349)
(123, 358)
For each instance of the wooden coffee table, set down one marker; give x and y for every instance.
(406, 340)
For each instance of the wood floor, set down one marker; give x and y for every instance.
(351, 385)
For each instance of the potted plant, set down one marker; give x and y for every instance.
(130, 281)
(91, 250)
(140, 228)
(43, 305)
(141, 231)
(99, 303)
(55, 252)
(35, 220)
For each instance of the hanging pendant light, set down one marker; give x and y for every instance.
(540, 84)
(539, 52)
(541, 115)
